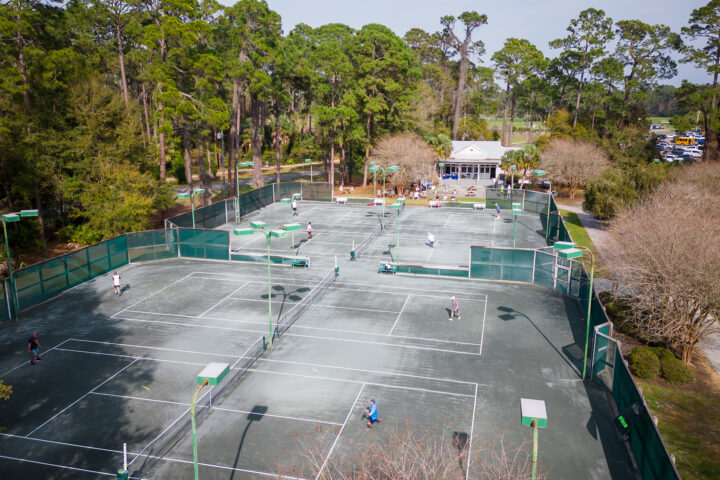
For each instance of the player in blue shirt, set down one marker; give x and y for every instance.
(371, 413)
(497, 210)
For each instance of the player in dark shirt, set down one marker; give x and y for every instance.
(34, 348)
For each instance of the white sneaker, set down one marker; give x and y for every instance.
(450, 319)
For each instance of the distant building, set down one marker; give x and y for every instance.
(473, 161)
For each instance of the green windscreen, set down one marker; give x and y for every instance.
(321, 192)
(494, 263)
(41, 281)
(432, 270)
(205, 244)
(152, 245)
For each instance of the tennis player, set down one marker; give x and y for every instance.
(371, 413)
(294, 206)
(431, 239)
(309, 230)
(34, 348)
(117, 282)
(454, 309)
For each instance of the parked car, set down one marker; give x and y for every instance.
(672, 158)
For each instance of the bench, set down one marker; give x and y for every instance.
(341, 200)
(478, 206)
(300, 262)
(383, 268)
(378, 201)
(435, 203)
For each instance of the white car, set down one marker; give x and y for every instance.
(672, 158)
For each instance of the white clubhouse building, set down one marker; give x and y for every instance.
(473, 161)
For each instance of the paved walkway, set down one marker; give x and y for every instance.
(599, 236)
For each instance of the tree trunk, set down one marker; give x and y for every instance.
(121, 61)
(530, 132)
(146, 114)
(459, 93)
(512, 118)
(503, 141)
(331, 171)
(256, 108)
(367, 150)
(343, 164)
(582, 80)
(626, 100)
(203, 173)
(277, 147)
(187, 155)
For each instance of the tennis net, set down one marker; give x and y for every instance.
(362, 246)
(141, 465)
(287, 319)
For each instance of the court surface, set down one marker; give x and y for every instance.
(336, 228)
(122, 369)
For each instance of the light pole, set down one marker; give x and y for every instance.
(516, 210)
(570, 250)
(542, 173)
(385, 171)
(261, 227)
(191, 195)
(374, 170)
(237, 181)
(533, 414)
(222, 163)
(309, 160)
(211, 375)
(14, 217)
(397, 206)
(291, 227)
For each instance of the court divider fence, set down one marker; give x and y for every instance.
(233, 209)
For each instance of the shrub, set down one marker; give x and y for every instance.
(644, 363)
(674, 370)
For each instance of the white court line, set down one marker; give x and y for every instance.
(379, 372)
(88, 393)
(295, 303)
(300, 335)
(228, 296)
(117, 355)
(66, 467)
(296, 326)
(340, 432)
(153, 348)
(432, 249)
(214, 276)
(26, 362)
(154, 293)
(319, 377)
(176, 460)
(472, 427)
(214, 407)
(482, 330)
(399, 314)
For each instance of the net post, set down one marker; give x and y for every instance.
(264, 343)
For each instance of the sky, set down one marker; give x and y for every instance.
(539, 21)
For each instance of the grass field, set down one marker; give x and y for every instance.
(688, 424)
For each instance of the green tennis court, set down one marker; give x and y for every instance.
(123, 369)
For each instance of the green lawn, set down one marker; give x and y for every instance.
(688, 423)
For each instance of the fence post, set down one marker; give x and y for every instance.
(225, 204)
(7, 300)
(534, 261)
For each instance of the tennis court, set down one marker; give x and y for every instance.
(337, 228)
(122, 369)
